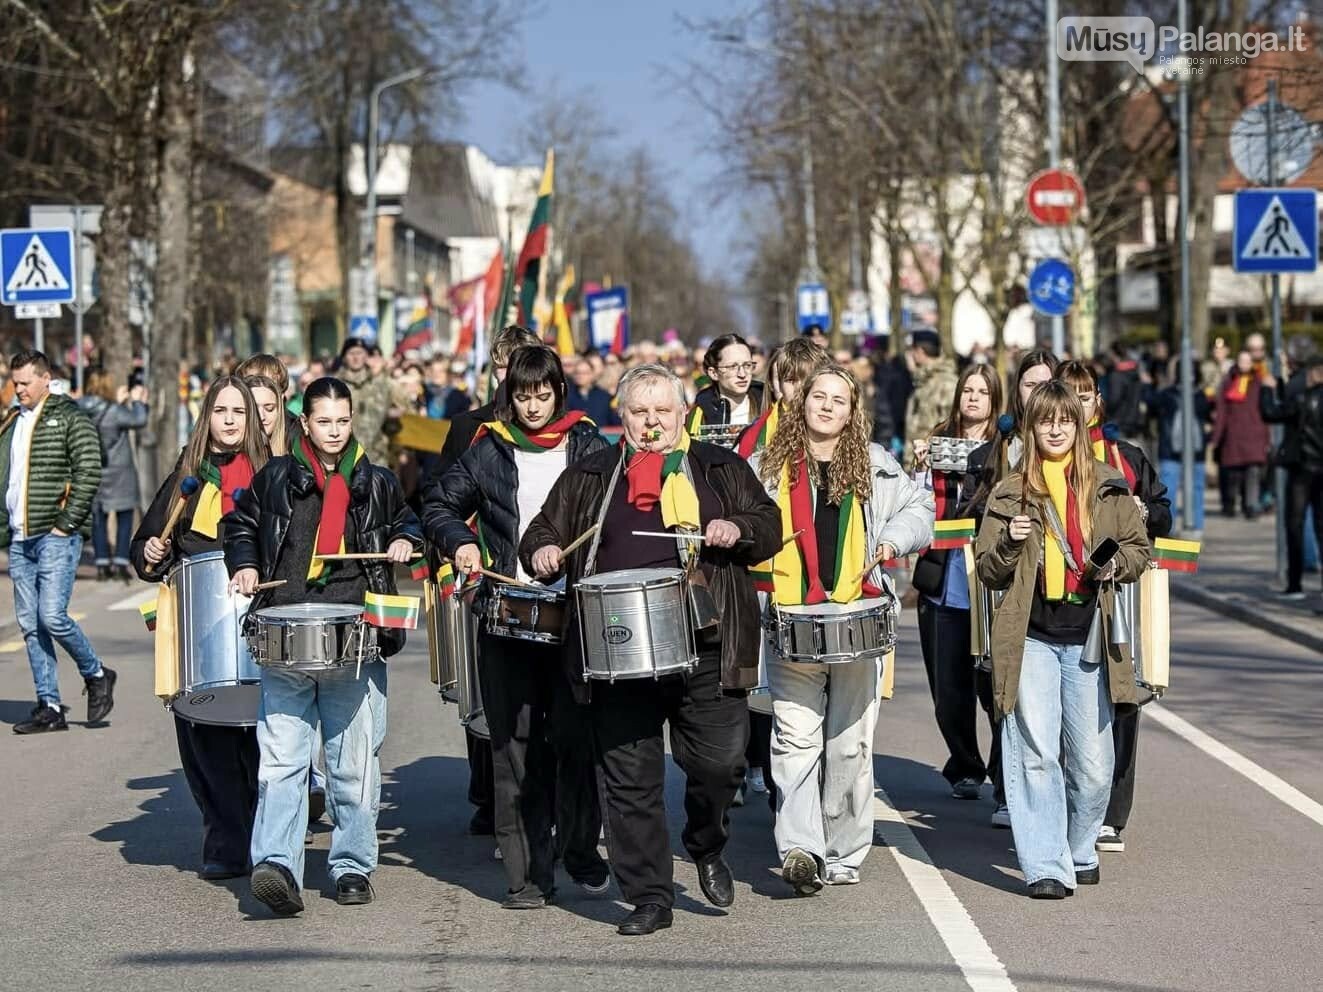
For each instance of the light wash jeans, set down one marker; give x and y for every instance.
(42, 570)
(1170, 474)
(823, 718)
(352, 713)
(1062, 716)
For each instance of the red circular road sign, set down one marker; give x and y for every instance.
(1054, 197)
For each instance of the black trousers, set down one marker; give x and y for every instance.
(542, 760)
(220, 765)
(958, 689)
(1240, 483)
(481, 791)
(1125, 738)
(709, 731)
(758, 752)
(1303, 490)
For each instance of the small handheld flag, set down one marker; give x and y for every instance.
(418, 569)
(397, 612)
(1176, 556)
(148, 611)
(951, 534)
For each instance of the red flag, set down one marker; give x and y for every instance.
(466, 303)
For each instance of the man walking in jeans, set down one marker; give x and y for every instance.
(50, 467)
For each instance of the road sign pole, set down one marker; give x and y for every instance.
(39, 336)
(1188, 426)
(78, 300)
(1278, 474)
(1054, 140)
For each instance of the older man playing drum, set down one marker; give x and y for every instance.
(631, 648)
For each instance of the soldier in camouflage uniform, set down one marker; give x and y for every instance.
(934, 385)
(372, 401)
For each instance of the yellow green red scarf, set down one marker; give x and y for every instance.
(1059, 582)
(759, 434)
(793, 571)
(219, 484)
(334, 487)
(547, 438)
(656, 477)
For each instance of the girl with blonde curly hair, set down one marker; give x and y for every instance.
(847, 500)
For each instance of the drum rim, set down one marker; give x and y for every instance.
(858, 607)
(347, 613)
(664, 577)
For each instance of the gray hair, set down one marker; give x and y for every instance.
(646, 374)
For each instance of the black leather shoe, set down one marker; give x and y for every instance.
(42, 720)
(715, 880)
(527, 898)
(215, 871)
(353, 889)
(274, 886)
(1087, 876)
(1048, 888)
(646, 919)
(102, 573)
(100, 695)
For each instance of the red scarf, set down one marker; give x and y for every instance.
(236, 475)
(943, 493)
(1114, 458)
(802, 519)
(334, 487)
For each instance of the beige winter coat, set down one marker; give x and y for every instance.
(1006, 564)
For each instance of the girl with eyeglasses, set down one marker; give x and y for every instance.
(732, 397)
(1056, 675)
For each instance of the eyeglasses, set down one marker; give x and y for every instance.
(741, 367)
(1060, 423)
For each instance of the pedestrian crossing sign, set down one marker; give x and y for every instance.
(1275, 230)
(36, 266)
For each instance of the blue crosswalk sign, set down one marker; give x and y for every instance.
(364, 327)
(36, 266)
(1275, 230)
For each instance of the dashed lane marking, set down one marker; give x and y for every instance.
(982, 969)
(1260, 776)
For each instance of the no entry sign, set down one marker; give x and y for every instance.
(1054, 197)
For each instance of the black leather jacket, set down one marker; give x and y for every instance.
(485, 481)
(575, 502)
(1300, 410)
(709, 401)
(255, 530)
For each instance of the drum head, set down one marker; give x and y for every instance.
(311, 612)
(221, 706)
(838, 609)
(633, 577)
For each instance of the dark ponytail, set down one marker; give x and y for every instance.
(328, 387)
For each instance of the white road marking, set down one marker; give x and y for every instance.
(134, 601)
(1236, 761)
(982, 969)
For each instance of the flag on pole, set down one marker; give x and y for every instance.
(418, 329)
(1176, 556)
(472, 301)
(399, 612)
(418, 569)
(528, 268)
(951, 534)
(148, 611)
(562, 313)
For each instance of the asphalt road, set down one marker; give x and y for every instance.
(1218, 889)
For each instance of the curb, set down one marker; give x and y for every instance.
(1246, 614)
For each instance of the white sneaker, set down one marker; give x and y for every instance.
(841, 875)
(498, 855)
(755, 780)
(1109, 839)
(1001, 816)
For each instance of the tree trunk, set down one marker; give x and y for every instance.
(172, 320)
(113, 253)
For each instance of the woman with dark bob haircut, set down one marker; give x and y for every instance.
(540, 736)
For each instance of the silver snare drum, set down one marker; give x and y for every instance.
(459, 662)
(635, 624)
(832, 633)
(311, 637)
(220, 681)
(526, 613)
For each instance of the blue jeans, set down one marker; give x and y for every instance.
(42, 570)
(101, 536)
(1170, 473)
(1062, 716)
(352, 713)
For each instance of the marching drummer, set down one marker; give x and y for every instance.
(1150, 496)
(542, 747)
(223, 452)
(852, 507)
(661, 481)
(733, 397)
(323, 498)
(1056, 674)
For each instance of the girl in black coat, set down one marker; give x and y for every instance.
(541, 738)
(1150, 495)
(220, 763)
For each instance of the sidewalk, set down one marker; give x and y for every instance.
(1237, 578)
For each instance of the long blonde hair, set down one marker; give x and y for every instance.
(276, 442)
(1051, 400)
(851, 468)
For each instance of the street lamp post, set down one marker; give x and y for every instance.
(369, 237)
(1188, 426)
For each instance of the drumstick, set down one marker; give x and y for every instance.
(873, 564)
(355, 556)
(188, 485)
(792, 537)
(274, 583)
(506, 579)
(579, 540)
(663, 533)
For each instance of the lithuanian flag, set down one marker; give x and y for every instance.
(561, 312)
(418, 569)
(1176, 556)
(148, 611)
(763, 580)
(951, 534)
(528, 268)
(445, 581)
(400, 612)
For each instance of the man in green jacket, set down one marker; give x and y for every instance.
(50, 467)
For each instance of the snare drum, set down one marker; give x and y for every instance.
(635, 624)
(725, 435)
(526, 613)
(312, 637)
(220, 682)
(833, 633)
(459, 662)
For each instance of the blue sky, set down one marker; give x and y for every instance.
(619, 52)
